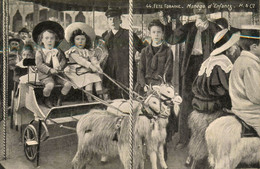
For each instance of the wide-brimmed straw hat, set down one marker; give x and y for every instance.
(83, 27)
(250, 31)
(48, 25)
(223, 40)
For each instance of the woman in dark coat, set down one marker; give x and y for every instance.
(211, 96)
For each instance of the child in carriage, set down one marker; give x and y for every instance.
(84, 67)
(50, 60)
(27, 53)
(156, 59)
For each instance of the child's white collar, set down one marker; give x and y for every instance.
(156, 45)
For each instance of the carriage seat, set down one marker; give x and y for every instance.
(247, 130)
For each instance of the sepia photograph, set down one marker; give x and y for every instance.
(130, 84)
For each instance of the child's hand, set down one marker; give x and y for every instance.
(53, 71)
(93, 68)
(163, 18)
(99, 69)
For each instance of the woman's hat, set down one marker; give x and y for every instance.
(47, 25)
(223, 40)
(83, 27)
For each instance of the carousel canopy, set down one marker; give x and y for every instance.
(150, 6)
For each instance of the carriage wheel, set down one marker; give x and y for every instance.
(30, 141)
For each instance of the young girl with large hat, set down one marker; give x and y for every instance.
(84, 65)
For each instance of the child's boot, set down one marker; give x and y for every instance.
(105, 94)
(47, 102)
(60, 99)
(100, 94)
(90, 99)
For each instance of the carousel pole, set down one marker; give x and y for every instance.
(142, 26)
(229, 20)
(131, 119)
(5, 72)
(93, 17)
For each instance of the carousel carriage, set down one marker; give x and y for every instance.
(28, 109)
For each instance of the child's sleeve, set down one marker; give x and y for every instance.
(80, 60)
(41, 66)
(252, 83)
(168, 70)
(141, 69)
(138, 44)
(177, 35)
(94, 57)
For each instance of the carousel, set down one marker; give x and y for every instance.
(122, 133)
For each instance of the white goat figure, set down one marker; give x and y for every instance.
(97, 129)
(227, 148)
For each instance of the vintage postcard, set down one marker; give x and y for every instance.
(133, 84)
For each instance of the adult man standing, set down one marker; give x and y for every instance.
(198, 37)
(24, 35)
(117, 43)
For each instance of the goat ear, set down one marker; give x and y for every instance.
(162, 81)
(146, 88)
(156, 88)
(164, 78)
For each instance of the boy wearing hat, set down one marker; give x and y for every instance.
(15, 45)
(117, 44)
(50, 60)
(210, 89)
(245, 79)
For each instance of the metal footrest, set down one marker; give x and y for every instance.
(31, 142)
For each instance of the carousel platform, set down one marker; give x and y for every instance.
(58, 153)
